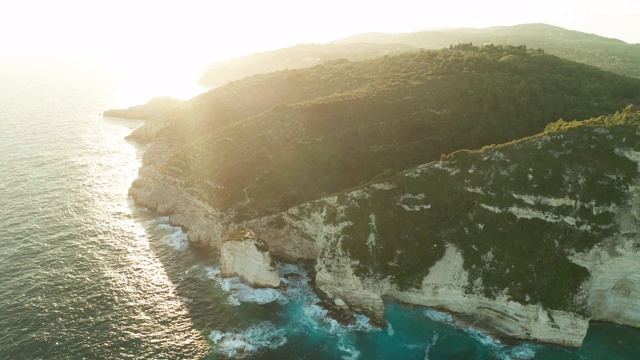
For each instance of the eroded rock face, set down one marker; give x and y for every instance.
(533, 238)
(243, 254)
(613, 291)
(444, 288)
(531, 248)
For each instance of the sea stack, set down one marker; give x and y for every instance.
(244, 255)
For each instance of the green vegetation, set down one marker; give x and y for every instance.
(515, 211)
(608, 54)
(267, 143)
(520, 209)
(295, 57)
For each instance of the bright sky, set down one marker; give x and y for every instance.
(147, 40)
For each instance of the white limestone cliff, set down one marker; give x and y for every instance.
(613, 290)
(444, 288)
(206, 225)
(243, 254)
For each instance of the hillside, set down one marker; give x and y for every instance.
(541, 237)
(340, 124)
(295, 57)
(608, 54)
(328, 164)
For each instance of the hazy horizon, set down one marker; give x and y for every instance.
(140, 40)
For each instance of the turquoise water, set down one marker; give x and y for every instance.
(84, 273)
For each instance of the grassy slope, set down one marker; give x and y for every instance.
(343, 123)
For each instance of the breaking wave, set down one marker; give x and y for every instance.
(500, 350)
(251, 341)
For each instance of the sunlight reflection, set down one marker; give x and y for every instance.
(138, 278)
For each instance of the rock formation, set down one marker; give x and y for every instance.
(518, 265)
(533, 238)
(522, 262)
(243, 254)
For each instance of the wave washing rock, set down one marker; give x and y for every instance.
(243, 254)
(206, 225)
(523, 237)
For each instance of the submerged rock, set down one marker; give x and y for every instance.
(244, 255)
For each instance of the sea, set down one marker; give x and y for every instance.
(87, 274)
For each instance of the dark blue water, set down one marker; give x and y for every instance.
(84, 273)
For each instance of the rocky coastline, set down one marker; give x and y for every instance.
(244, 254)
(303, 232)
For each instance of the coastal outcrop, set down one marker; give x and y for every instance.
(540, 241)
(244, 254)
(525, 265)
(523, 237)
(521, 262)
(146, 111)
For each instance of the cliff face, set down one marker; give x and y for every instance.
(541, 238)
(614, 286)
(245, 255)
(446, 287)
(523, 236)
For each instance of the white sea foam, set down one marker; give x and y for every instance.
(191, 269)
(251, 341)
(233, 300)
(185, 299)
(308, 318)
(349, 351)
(241, 292)
(438, 316)
(434, 339)
(524, 352)
(165, 226)
(285, 269)
(412, 346)
(257, 296)
(483, 338)
(177, 240)
(157, 220)
(505, 352)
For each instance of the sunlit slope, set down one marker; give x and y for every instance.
(295, 57)
(608, 54)
(521, 210)
(259, 146)
(249, 97)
